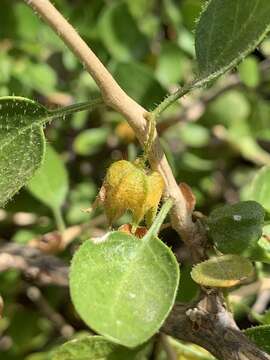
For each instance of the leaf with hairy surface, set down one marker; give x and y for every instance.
(227, 31)
(97, 348)
(260, 335)
(124, 287)
(22, 143)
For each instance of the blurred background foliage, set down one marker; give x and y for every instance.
(215, 139)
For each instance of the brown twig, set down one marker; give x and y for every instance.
(40, 268)
(55, 242)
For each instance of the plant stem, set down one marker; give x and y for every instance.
(59, 219)
(154, 229)
(63, 111)
(150, 117)
(170, 99)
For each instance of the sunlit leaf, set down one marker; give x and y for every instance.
(116, 285)
(95, 348)
(222, 271)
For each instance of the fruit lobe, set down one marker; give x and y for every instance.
(129, 186)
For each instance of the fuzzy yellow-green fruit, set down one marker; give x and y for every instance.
(129, 186)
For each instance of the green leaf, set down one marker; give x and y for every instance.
(171, 64)
(233, 106)
(249, 72)
(188, 290)
(236, 229)
(120, 33)
(260, 188)
(259, 119)
(94, 348)
(260, 335)
(33, 337)
(27, 24)
(50, 183)
(143, 86)
(40, 77)
(21, 143)
(124, 287)
(222, 271)
(190, 10)
(227, 31)
(89, 141)
(194, 135)
(260, 251)
(248, 146)
(263, 319)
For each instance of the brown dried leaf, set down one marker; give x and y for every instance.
(188, 195)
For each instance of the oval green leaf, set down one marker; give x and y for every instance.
(222, 271)
(95, 348)
(124, 287)
(236, 229)
(90, 141)
(21, 143)
(260, 335)
(50, 183)
(120, 34)
(144, 87)
(249, 72)
(260, 189)
(227, 31)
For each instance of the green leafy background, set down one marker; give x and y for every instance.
(218, 149)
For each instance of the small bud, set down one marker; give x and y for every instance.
(50, 243)
(127, 228)
(128, 186)
(125, 132)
